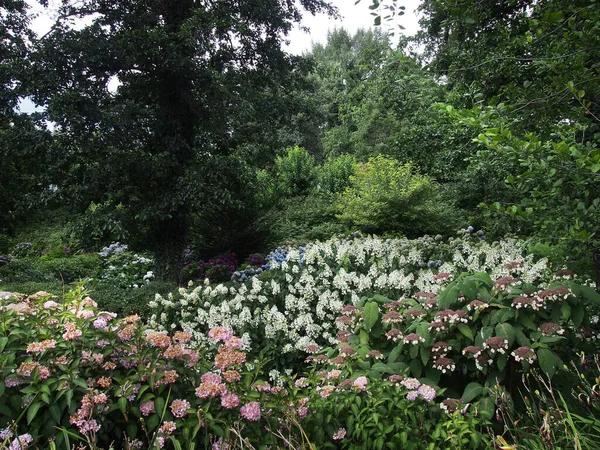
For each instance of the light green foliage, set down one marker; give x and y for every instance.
(295, 172)
(334, 174)
(387, 196)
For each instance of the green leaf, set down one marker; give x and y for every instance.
(487, 407)
(132, 430)
(577, 314)
(414, 351)
(370, 314)
(590, 294)
(159, 405)
(465, 331)
(506, 331)
(416, 368)
(122, 402)
(501, 362)
(55, 412)
(566, 311)
(484, 276)
(547, 361)
(32, 411)
(363, 336)
(3, 342)
(471, 391)
(394, 354)
(469, 289)
(595, 168)
(382, 368)
(176, 444)
(153, 421)
(522, 340)
(448, 297)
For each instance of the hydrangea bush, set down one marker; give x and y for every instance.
(473, 336)
(74, 375)
(296, 302)
(124, 268)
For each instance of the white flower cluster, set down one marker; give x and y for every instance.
(297, 304)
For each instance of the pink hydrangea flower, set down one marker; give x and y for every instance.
(360, 383)
(179, 408)
(230, 401)
(251, 411)
(339, 434)
(219, 334)
(147, 408)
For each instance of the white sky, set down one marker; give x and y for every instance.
(353, 18)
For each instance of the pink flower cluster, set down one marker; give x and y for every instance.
(251, 411)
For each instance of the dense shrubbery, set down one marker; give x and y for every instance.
(388, 196)
(426, 344)
(75, 375)
(291, 308)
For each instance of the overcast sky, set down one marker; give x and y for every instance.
(353, 18)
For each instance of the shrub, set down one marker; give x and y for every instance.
(477, 335)
(295, 172)
(296, 303)
(334, 175)
(123, 268)
(126, 301)
(71, 268)
(302, 219)
(73, 374)
(216, 269)
(388, 196)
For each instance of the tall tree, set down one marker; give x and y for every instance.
(22, 144)
(186, 71)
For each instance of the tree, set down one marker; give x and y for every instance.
(22, 144)
(524, 54)
(188, 72)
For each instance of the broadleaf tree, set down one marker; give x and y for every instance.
(147, 96)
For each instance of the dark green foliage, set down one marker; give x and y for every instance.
(64, 269)
(189, 77)
(129, 301)
(31, 287)
(302, 219)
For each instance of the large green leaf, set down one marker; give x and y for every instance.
(382, 368)
(590, 294)
(506, 331)
(547, 361)
(32, 411)
(448, 297)
(370, 314)
(3, 342)
(471, 391)
(394, 354)
(487, 407)
(577, 314)
(465, 331)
